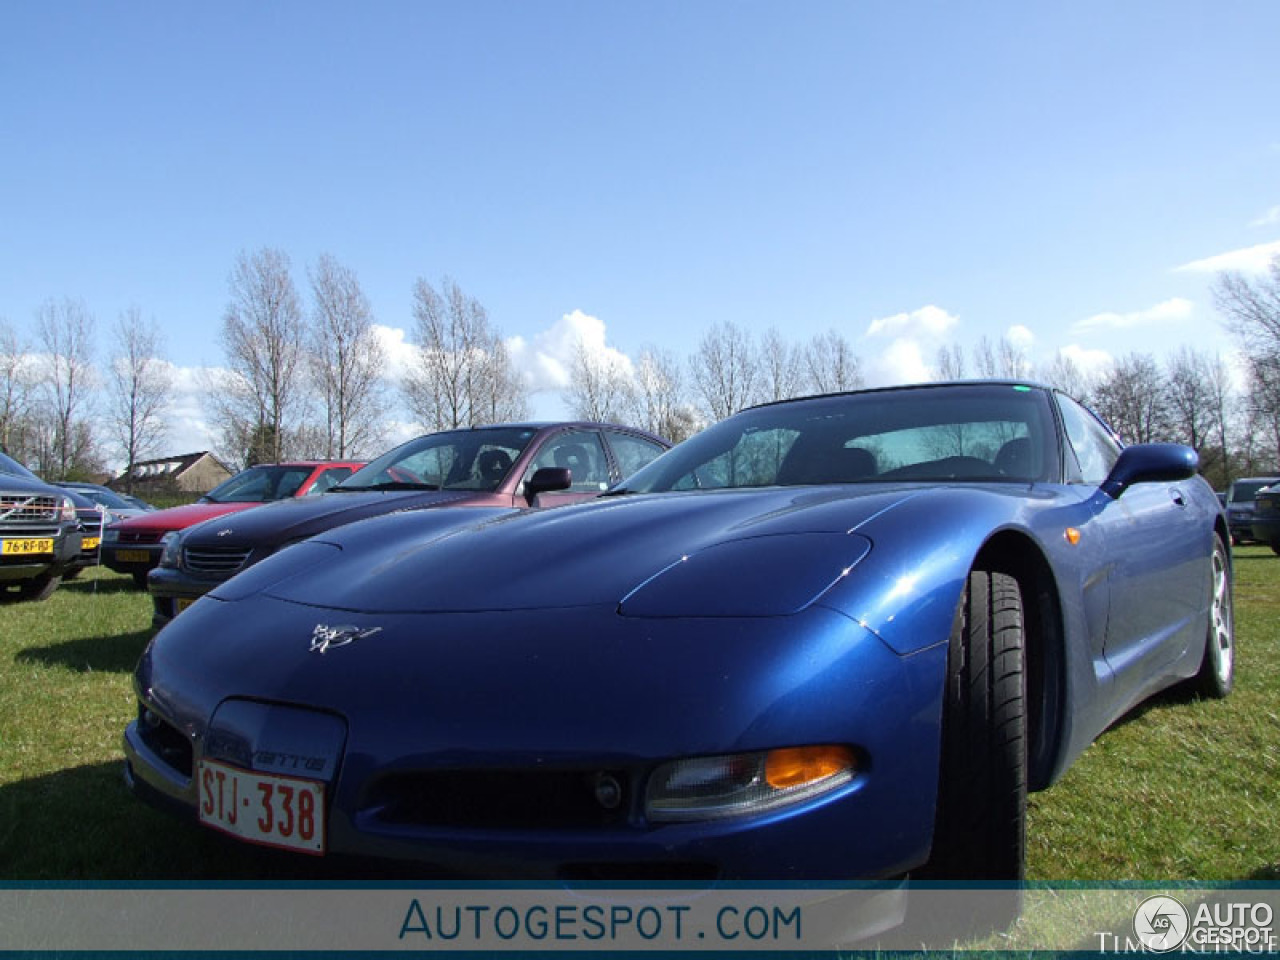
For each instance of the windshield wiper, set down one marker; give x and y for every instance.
(619, 492)
(386, 485)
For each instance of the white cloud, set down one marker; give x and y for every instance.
(546, 359)
(399, 353)
(1087, 361)
(1170, 311)
(1268, 219)
(929, 321)
(1255, 259)
(1020, 336)
(902, 361)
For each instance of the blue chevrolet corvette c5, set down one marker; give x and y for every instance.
(826, 639)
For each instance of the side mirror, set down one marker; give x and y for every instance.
(1150, 463)
(548, 480)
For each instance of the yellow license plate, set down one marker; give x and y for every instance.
(132, 556)
(31, 545)
(261, 807)
(181, 603)
(90, 543)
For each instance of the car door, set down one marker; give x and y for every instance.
(583, 453)
(1154, 571)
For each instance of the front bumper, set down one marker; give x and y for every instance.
(131, 558)
(1240, 523)
(632, 701)
(1265, 530)
(66, 549)
(172, 591)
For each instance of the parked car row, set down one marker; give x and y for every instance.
(830, 638)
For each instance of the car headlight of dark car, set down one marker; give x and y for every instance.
(171, 554)
(110, 536)
(741, 784)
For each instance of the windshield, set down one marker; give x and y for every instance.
(106, 498)
(13, 467)
(1244, 491)
(259, 485)
(979, 433)
(457, 460)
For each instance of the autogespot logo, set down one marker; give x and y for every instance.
(1161, 924)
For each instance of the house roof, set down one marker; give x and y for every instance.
(170, 467)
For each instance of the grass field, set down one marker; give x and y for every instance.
(1180, 790)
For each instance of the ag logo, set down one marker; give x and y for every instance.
(1161, 923)
(325, 638)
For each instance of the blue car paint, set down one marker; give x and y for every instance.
(626, 632)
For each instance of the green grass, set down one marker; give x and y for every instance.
(1180, 790)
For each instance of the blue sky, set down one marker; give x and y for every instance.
(905, 172)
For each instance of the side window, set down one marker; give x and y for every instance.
(583, 453)
(1095, 449)
(289, 483)
(632, 452)
(328, 479)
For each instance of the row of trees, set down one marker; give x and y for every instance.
(311, 379)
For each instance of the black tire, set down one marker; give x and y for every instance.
(139, 580)
(39, 588)
(980, 831)
(1275, 547)
(72, 573)
(1218, 667)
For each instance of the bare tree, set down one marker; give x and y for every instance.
(1132, 398)
(463, 373)
(17, 387)
(599, 385)
(138, 389)
(1190, 390)
(781, 368)
(1001, 359)
(262, 400)
(347, 362)
(657, 401)
(1065, 374)
(831, 364)
(950, 364)
(66, 335)
(726, 370)
(505, 395)
(1252, 312)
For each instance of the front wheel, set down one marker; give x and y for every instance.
(39, 588)
(980, 830)
(1218, 667)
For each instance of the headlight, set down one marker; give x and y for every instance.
(708, 788)
(172, 554)
(110, 536)
(68, 510)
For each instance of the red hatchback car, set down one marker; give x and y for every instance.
(134, 546)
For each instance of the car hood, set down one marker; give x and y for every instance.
(723, 553)
(12, 483)
(179, 518)
(284, 520)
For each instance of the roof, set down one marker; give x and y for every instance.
(171, 466)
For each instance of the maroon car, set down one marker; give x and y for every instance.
(504, 467)
(134, 546)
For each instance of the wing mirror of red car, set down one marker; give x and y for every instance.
(548, 480)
